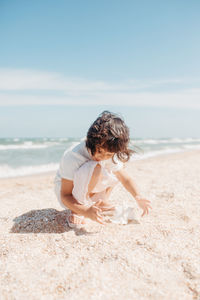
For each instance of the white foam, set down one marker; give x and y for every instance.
(157, 153)
(191, 146)
(165, 141)
(63, 139)
(27, 145)
(8, 172)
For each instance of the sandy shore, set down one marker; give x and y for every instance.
(159, 258)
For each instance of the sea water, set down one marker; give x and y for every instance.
(26, 156)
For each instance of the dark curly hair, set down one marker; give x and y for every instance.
(109, 132)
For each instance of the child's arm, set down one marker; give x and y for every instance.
(130, 186)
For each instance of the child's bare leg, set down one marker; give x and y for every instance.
(96, 176)
(93, 182)
(108, 191)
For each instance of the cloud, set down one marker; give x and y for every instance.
(32, 87)
(17, 80)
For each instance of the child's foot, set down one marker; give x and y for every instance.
(75, 221)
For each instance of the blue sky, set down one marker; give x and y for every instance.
(139, 58)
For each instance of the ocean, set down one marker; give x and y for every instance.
(26, 156)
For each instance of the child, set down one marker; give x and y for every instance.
(88, 173)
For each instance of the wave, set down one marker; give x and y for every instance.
(27, 145)
(165, 141)
(154, 153)
(191, 147)
(14, 147)
(8, 172)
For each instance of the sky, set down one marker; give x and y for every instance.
(64, 62)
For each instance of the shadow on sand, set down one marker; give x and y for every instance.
(47, 220)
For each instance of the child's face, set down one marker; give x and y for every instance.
(102, 154)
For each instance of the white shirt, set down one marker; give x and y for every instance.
(73, 159)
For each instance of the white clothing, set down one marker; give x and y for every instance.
(77, 165)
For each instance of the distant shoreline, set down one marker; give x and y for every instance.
(136, 161)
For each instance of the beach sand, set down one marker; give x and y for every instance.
(159, 258)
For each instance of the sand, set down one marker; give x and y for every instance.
(159, 258)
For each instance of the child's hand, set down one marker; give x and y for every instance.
(95, 211)
(143, 204)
